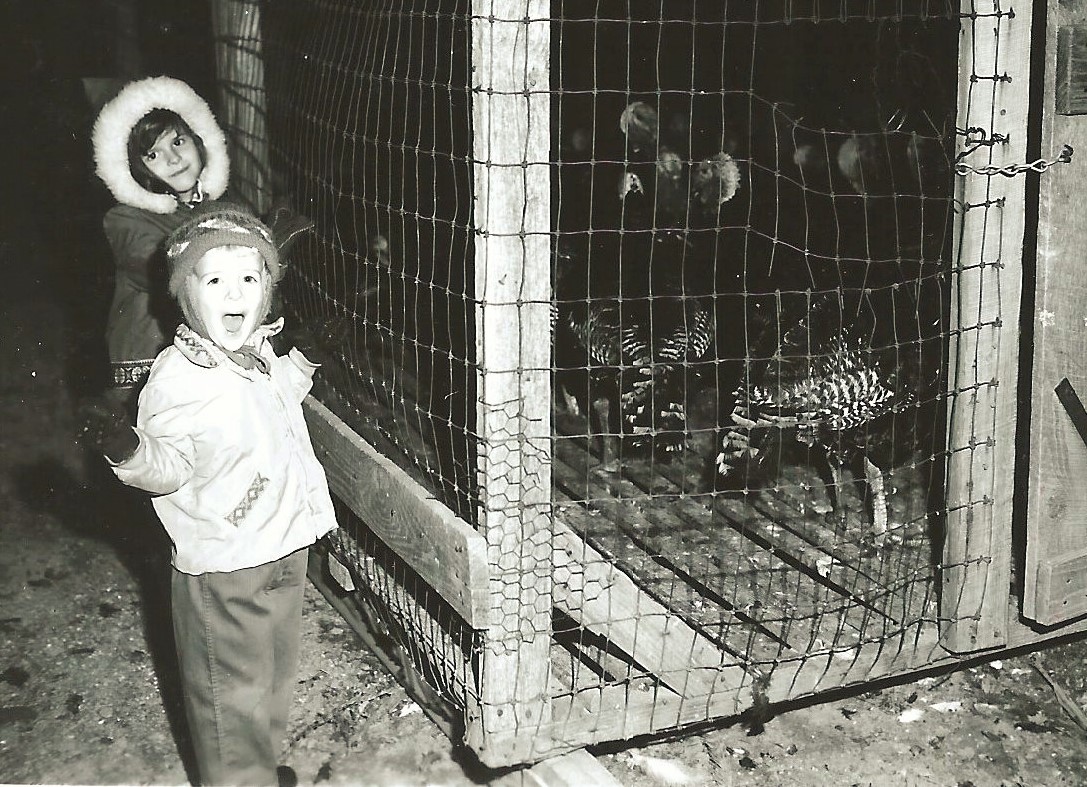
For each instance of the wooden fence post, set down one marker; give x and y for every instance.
(994, 72)
(239, 66)
(511, 149)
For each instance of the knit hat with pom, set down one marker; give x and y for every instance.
(221, 225)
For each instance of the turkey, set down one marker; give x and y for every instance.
(661, 185)
(828, 384)
(624, 341)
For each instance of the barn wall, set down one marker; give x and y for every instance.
(1056, 319)
(653, 599)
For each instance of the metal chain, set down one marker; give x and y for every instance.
(1011, 170)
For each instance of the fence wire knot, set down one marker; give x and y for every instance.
(977, 137)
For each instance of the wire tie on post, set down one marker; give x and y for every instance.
(1011, 170)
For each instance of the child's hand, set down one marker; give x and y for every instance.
(320, 341)
(287, 227)
(104, 425)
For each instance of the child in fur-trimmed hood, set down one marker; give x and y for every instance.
(161, 153)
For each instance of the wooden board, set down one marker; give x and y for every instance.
(442, 713)
(613, 527)
(575, 769)
(1056, 532)
(1071, 88)
(603, 599)
(448, 554)
(242, 110)
(1061, 587)
(511, 180)
(439, 642)
(780, 586)
(984, 348)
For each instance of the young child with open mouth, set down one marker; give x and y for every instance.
(221, 444)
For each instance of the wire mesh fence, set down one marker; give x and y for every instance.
(369, 108)
(753, 214)
(670, 303)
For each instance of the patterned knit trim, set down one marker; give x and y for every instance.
(251, 496)
(129, 374)
(204, 352)
(195, 348)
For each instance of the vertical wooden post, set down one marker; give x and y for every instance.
(511, 149)
(994, 71)
(239, 66)
(127, 52)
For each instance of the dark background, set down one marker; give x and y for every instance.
(54, 58)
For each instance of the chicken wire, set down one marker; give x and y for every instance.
(752, 265)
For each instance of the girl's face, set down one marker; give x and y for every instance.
(175, 160)
(227, 294)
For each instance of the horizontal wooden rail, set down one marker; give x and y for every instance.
(445, 551)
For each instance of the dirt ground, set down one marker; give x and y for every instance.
(88, 692)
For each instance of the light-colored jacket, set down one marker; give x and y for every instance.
(226, 454)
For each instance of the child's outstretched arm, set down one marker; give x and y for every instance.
(156, 463)
(104, 427)
(159, 465)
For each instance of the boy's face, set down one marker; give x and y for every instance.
(175, 160)
(227, 294)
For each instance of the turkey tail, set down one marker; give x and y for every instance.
(654, 410)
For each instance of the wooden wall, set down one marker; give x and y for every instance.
(1055, 579)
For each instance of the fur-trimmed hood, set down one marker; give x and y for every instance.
(116, 121)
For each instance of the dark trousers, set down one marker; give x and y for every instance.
(237, 636)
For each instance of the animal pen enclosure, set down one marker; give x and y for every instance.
(671, 349)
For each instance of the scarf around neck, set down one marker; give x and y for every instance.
(201, 350)
(198, 196)
(247, 357)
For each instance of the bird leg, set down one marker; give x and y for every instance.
(609, 437)
(878, 500)
(834, 491)
(569, 401)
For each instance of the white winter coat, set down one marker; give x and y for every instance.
(226, 454)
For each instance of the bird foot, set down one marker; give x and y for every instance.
(869, 548)
(609, 467)
(873, 543)
(834, 518)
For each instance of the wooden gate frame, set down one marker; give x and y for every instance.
(984, 349)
